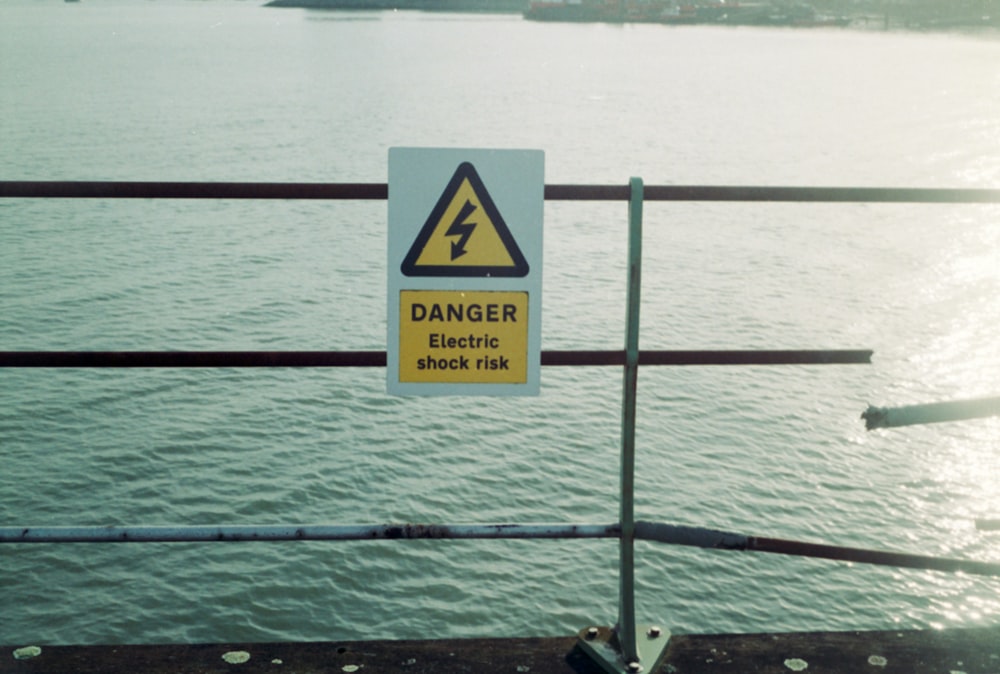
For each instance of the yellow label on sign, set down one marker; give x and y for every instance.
(457, 336)
(465, 235)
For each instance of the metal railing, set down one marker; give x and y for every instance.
(620, 650)
(90, 189)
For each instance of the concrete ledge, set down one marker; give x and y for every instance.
(972, 651)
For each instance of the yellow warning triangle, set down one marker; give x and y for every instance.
(465, 235)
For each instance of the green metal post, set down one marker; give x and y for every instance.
(623, 650)
(626, 590)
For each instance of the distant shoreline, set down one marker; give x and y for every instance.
(499, 6)
(872, 16)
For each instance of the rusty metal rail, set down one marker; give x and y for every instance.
(659, 532)
(158, 359)
(723, 540)
(319, 532)
(78, 189)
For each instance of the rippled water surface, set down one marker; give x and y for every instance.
(226, 90)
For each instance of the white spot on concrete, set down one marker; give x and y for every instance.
(236, 657)
(877, 661)
(410, 662)
(351, 668)
(523, 668)
(277, 661)
(956, 671)
(27, 652)
(796, 664)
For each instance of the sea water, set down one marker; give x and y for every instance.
(228, 90)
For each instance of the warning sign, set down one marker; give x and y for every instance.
(464, 271)
(465, 234)
(462, 336)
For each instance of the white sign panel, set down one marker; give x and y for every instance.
(465, 271)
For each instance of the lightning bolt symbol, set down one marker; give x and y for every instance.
(462, 229)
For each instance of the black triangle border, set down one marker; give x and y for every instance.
(464, 171)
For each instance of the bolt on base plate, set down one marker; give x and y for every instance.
(601, 643)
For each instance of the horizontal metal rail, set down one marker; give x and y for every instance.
(126, 359)
(722, 540)
(350, 532)
(930, 413)
(555, 192)
(648, 531)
